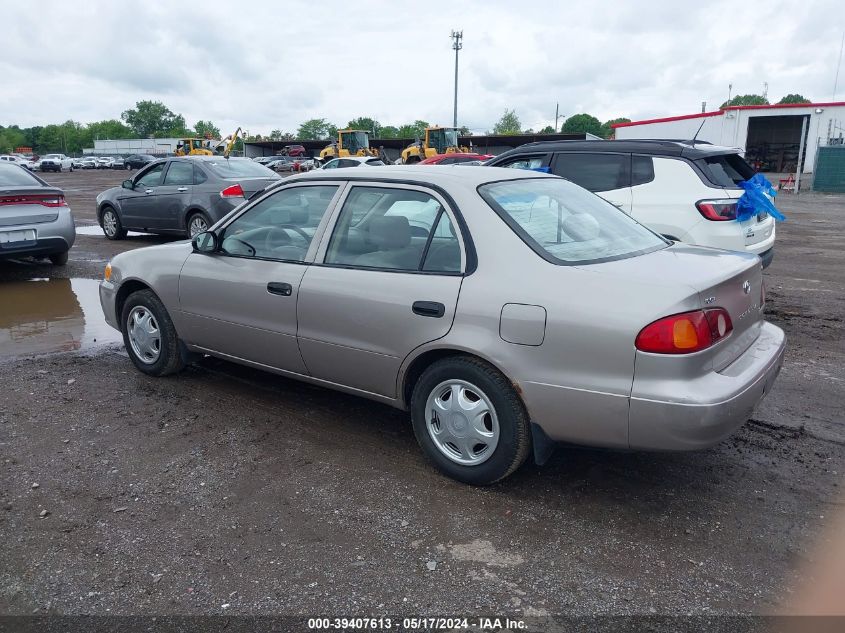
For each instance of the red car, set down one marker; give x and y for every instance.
(454, 159)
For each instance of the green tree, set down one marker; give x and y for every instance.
(608, 131)
(547, 130)
(746, 100)
(794, 98)
(389, 131)
(508, 124)
(153, 118)
(464, 131)
(583, 124)
(201, 128)
(12, 137)
(413, 130)
(316, 129)
(366, 123)
(51, 139)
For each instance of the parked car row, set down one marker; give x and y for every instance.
(428, 289)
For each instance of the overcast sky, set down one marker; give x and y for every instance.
(272, 65)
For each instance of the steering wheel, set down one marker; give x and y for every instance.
(298, 231)
(251, 251)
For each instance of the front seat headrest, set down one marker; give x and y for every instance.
(390, 232)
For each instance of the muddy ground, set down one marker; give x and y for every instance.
(225, 490)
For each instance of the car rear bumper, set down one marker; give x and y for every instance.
(50, 237)
(722, 403)
(767, 257)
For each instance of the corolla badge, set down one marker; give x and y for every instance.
(746, 286)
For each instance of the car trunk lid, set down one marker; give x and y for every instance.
(29, 205)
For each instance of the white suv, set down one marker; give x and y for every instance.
(683, 190)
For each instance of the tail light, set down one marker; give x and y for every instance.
(685, 333)
(51, 200)
(232, 191)
(717, 210)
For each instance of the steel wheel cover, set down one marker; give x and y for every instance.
(144, 335)
(462, 422)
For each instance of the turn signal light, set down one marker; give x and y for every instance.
(107, 272)
(233, 191)
(717, 210)
(685, 333)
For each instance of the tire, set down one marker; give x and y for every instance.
(201, 221)
(110, 222)
(58, 259)
(412, 160)
(507, 418)
(71, 166)
(128, 167)
(149, 335)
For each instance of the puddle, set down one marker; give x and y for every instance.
(46, 316)
(96, 231)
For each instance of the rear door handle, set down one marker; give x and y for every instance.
(148, 191)
(279, 288)
(182, 189)
(429, 309)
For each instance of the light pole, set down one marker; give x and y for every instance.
(457, 45)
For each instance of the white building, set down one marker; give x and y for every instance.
(154, 146)
(769, 135)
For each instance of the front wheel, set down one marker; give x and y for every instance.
(71, 166)
(111, 225)
(149, 335)
(469, 420)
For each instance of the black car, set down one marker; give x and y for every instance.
(136, 161)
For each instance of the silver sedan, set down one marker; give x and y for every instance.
(506, 310)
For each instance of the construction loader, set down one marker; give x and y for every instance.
(349, 143)
(438, 140)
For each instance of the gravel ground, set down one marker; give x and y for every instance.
(226, 490)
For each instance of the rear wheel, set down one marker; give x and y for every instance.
(71, 166)
(111, 225)
(469, 421)
(149, 335)
(197, 223)
(58, 259)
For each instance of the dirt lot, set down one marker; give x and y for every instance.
(225, 490)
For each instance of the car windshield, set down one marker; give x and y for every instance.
(13, 175)
(52, 156)
(566, 224)
(239, 168)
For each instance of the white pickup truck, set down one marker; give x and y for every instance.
(56, 162)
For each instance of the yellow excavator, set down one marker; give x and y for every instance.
(193, 147)
(438, 140)
(349, 143)
(227, 144)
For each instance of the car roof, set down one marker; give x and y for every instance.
(659, 147)
(465, 177)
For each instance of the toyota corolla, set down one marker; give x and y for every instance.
(505, 310)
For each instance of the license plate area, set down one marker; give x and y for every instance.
(16, 238)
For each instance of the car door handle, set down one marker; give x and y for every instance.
(181, 189)
(429, 309)
(148, 190)
(279, 288)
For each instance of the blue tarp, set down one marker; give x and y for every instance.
(754, 200)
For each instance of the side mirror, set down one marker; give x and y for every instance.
(127, 184)
(205, 242)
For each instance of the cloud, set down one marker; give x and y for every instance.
(278, 64)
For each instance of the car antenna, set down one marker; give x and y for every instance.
(696, 133)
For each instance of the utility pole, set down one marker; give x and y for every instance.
(557, 116)
(457, 45)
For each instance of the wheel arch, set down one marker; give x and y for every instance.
(102, 208)
(193, 209)
(415, 365)
(127, 288)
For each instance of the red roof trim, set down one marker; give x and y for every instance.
(668, 118)
(825, 104)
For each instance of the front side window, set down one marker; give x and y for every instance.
(525, 162)
(394, 229)
(565, 224)
(151, 177)
(179, 173)
(594, 172)
(280, 226)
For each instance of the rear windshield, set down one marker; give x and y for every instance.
(566, 224)
(12, 175)
(239, 168)
(725, 170)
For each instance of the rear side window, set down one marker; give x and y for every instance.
(594, 172)
(524, 162)
(725, 170)
(12, 175)
(642, 170)
(179, 173)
